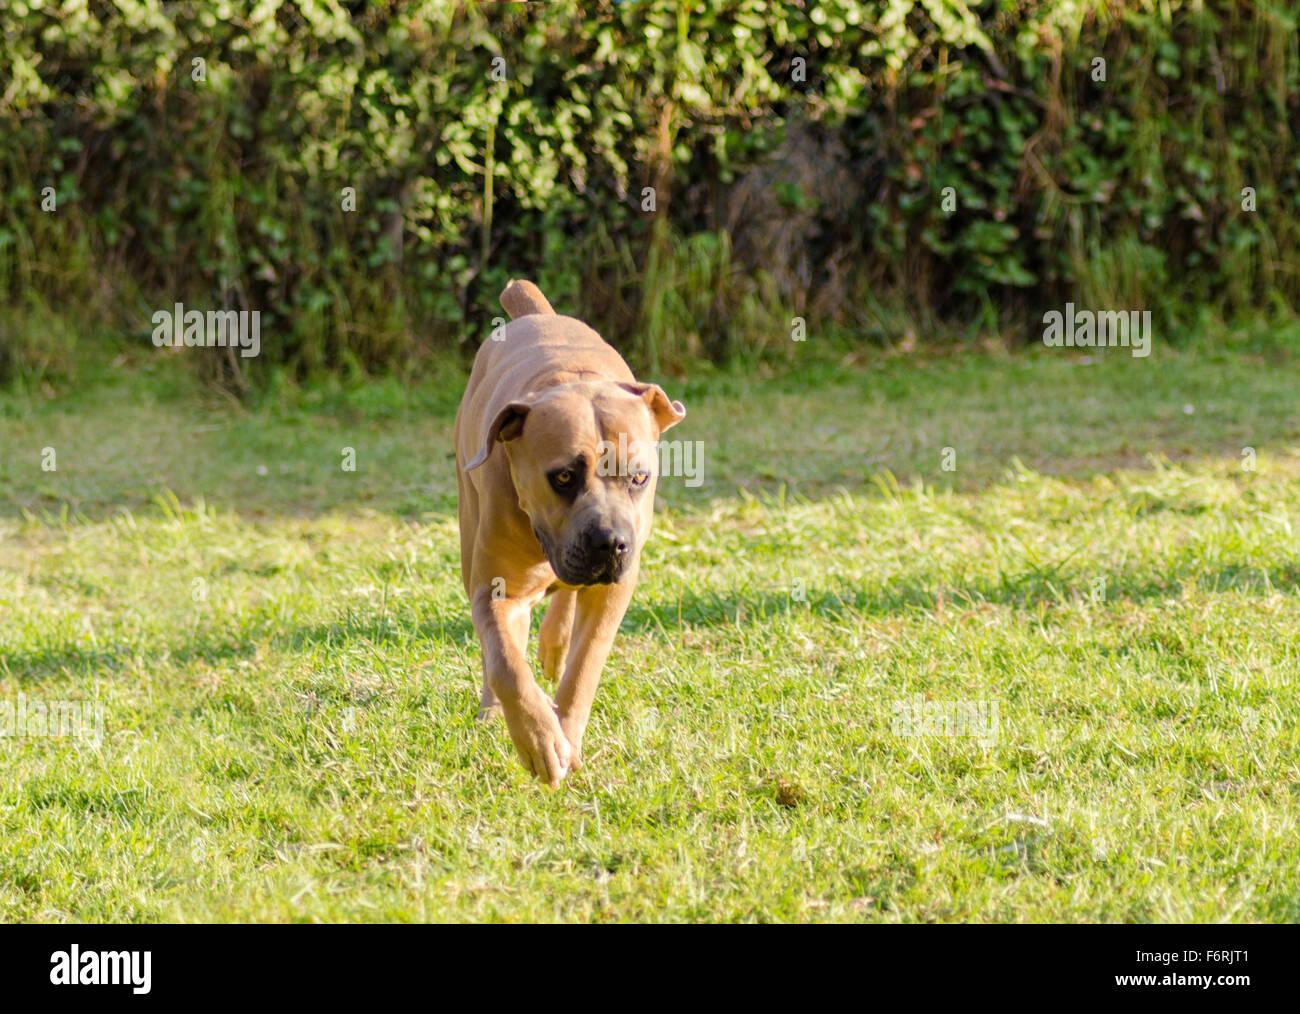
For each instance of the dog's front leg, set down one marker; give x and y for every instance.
(502, 627)
(600, 610)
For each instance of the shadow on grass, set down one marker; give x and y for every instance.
(697, 609)
(454, 629)
(1027, 591)
(216, 649)
(49, 662)
(809, 431)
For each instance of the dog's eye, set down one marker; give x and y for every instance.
(640, 477)
(563, 478)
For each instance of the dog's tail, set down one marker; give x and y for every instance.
(522, 297)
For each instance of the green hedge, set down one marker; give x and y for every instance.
(775, 195)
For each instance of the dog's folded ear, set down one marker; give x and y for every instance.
(666, 411)
(507, 425)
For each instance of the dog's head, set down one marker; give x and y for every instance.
(585, 463)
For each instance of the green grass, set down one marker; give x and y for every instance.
(299, 743)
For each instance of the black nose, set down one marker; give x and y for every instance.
(609, 543)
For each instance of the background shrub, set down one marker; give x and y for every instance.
(774, 195)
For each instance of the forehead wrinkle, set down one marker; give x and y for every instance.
(571, 443)
(612, 419)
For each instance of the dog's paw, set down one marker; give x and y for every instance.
(552, 657)
(573, 730)
(489, 712)
(540, 742)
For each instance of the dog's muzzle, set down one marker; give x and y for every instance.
(598, 556)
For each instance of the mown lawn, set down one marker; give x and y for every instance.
(288, 675)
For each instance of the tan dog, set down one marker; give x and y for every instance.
(557, 468)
